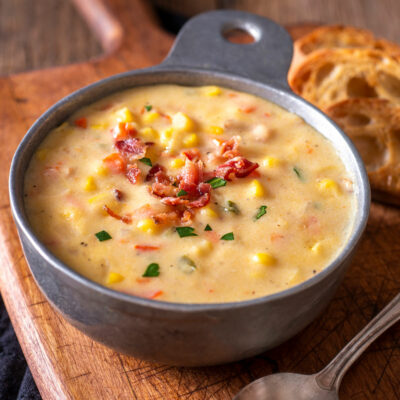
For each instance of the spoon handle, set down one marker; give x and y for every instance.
(331, 376)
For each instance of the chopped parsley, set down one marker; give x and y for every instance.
(184, 231)
(232, 207)
(208, 228)
(146, 161)
(299, 173)
(261, 211)
(228, 236)
(152, 271)
(217, 182)
(102, 236)
(148, 107)
(182, 193)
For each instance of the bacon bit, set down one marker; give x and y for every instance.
(239, 166)
(167, 117)
(248, 109)
(143, 247)
(155, 294)
(126, 219)
(81, 122)
(157, 172)
(131, 148)
(267, 114)
(149, 143)
(192, 155)
(118, 195)
(229, 148)
(212, 236)
(133, 173)
(163, 190)
(191, 176)
(115, 163)
(174, 201)
(276, 236)
(124, 130)
(187, 216)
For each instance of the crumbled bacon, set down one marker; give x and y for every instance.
(133, 173)
(117, 194)
(158, 173)
(124, 218)
(229, 148)
(238, 166)
(144, 247)
(124, 130)
(192, 154)
(163, 190)
(132, 148)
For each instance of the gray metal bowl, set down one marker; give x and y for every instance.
(193, 334)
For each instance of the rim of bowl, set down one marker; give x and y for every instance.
(360, 216)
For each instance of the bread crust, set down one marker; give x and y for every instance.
(374, 127)
(328, 76)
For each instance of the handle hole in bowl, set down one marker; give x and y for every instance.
(238, 36)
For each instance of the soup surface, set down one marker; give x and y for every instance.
(190, 194)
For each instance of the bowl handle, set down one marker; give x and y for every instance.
(201, 44)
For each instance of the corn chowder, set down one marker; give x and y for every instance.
(189, 194)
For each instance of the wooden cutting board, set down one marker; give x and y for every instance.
(68, 365)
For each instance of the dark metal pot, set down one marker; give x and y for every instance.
(193, 334)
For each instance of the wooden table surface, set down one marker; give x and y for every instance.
(39, 33)
(43, 33)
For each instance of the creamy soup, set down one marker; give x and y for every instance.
(190, 194)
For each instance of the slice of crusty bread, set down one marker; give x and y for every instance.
(374, 127)
(338, 36)
(331, 36)
(328, 76)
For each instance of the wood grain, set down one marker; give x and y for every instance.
(68, 365)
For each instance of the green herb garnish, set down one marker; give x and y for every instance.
(261, 211)
(102, 236)
(232, 207)
(184, 231)
(148, 107)
(182, 193)
(146, 161)
(217, 182)
(208, 228)
(299, 173)
(228, 236)
(152, 271)
(187, 265)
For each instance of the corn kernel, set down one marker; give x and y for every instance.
(177, 163)
(71, 213)
(124, 115)
(212, 90)
(147, 225)
(166, 136)
(263, 258)
(114, 277)
(215, 130)
(190, 140)
(150, 117)
(316, 248)
(182, 122)
(208, 212)
(41, 154)
(149, 133)
(328, 186)
(99, 126)
(204, 247)
(270, 162)
(101, 197)
(90, 184)
(102, 170)
(256, 189)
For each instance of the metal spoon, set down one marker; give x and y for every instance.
(323, 385)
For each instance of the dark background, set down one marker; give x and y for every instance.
(43, 33)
